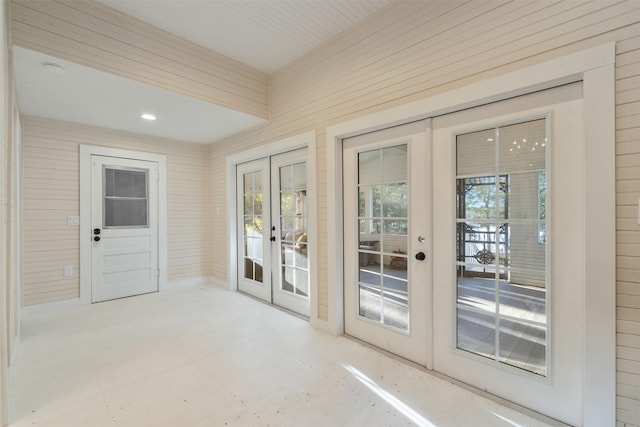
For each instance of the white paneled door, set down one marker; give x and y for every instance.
(387, 243)
(273, 250)
(124, 232)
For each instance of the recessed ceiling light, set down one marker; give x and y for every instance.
(53, 68)
(148, 116)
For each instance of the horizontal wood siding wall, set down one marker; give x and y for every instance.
(51, 192)
(91, 34)
(628, 230)
(413, 50)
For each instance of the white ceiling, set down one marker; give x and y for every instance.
(91, 97)
(264, 34)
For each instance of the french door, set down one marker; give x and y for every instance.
(463, 250)
(387, 244)
(508, 287)
(273, 254)
(124, 232)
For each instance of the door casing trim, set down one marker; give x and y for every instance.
(596, 68)
(86, 151)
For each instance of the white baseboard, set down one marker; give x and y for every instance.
(188, 282)
(49, 306)
(174, 284)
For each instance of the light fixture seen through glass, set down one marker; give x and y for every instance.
(148, 116)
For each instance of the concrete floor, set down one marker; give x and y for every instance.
(204, 356)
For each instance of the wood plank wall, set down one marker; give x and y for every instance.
(91, 34)
(412, 50)
(51, 192)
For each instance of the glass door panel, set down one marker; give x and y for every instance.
(382, 252)
(501, 259)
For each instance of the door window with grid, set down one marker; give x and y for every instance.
(501, 235)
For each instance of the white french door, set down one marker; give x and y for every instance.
(489, 195)
(290, 212)
(387, 243)
(124, 232)
(273, 254)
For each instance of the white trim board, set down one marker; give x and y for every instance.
(86, 151)
(302, 140)
(595, 67)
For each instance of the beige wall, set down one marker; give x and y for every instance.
(412, 50)
(51, 192)
(91, 34)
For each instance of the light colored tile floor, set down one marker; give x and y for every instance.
(209, 357)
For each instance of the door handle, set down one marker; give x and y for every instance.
(96, 231)
(273, 238)
(420, 256)
(96, 238)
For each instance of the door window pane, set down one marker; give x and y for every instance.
(395, 200)
(395, 309)
(125, 202)
(370, 302)
(125, 183)
(476, 153)
(476, 332)
(125, 213)
(501, 244)
(523, 345)
(523, 147)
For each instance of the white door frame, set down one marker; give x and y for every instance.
(308, 140)
(86, 151)
(596, 68)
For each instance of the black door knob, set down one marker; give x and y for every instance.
(273, 238)
(96, 231)
(420, 256)
(96, 239)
